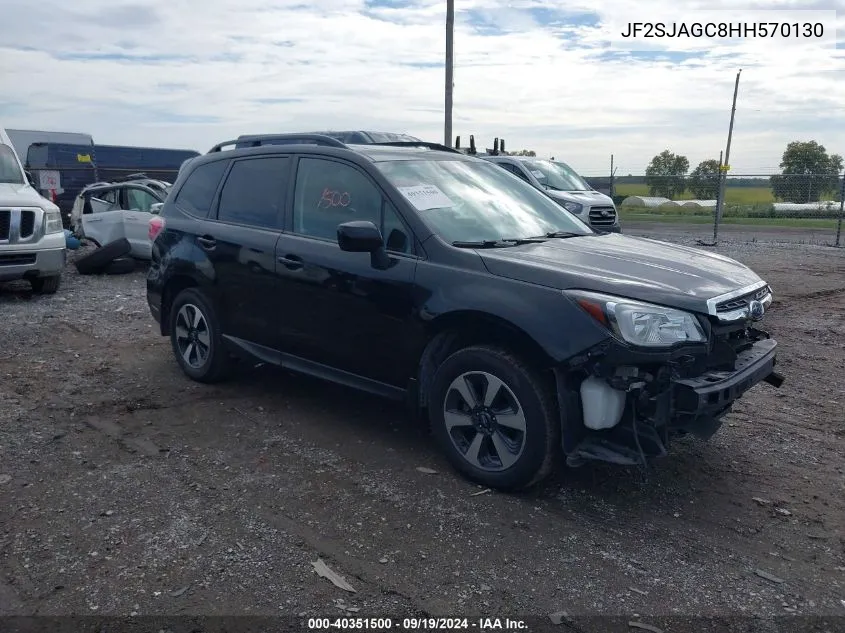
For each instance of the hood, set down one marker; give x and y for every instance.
(16, 195)
(586, 198)
(625, 266)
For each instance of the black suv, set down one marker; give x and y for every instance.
(413, 271)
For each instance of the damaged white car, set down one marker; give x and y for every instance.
(108, 211)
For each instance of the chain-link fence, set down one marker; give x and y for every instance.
(785, 207)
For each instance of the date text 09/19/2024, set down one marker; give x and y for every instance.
(417, 624)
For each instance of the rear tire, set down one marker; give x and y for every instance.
(46, 285)
(196, 338)
(495, 418)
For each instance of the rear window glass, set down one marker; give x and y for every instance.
(197, 194)
(10, 170)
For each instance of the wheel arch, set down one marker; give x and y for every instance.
(452, 331)
(171, 290)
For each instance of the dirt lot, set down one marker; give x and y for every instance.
(127, 489)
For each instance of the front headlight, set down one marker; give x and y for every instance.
(572, 207)
(52, 222)
(641, 324)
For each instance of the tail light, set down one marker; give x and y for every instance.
(156, 227)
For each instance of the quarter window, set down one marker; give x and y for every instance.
(197, 194)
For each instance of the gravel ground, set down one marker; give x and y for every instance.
(736, 233)
(127, 489)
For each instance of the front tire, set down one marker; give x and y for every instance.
(196, 338)
(495, 418)
(46, 285)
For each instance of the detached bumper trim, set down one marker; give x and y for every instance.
(713, 391)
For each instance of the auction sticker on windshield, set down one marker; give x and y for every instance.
(425, 197)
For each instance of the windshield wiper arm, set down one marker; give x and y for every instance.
(499, 243)
(563, 234)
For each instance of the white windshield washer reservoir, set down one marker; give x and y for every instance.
(602, 404)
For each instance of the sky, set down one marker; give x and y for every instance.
(553, 76)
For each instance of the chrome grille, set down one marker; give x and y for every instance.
(602, 216)
(20, 226)
(742, 302)
(5, 224)
(27, 224)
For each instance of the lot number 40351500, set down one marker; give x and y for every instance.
(417, 624)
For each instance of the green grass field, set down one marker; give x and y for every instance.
(743, 205)
(671, 216)
(733, 195)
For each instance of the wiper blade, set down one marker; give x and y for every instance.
(563, 234)
(499, 243)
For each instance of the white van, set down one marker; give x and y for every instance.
(32, 239)
(563, 184)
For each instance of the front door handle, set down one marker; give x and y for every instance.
(206, 242)
(293, 262)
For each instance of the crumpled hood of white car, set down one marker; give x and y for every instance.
(16, 195)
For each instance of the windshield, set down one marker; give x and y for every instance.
(10, 169)
(557, 175)
(468, 201)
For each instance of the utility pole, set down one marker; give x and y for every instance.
(612, 173)
(450, 67)
(724, 170)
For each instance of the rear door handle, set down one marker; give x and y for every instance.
(291, 261)
(207, 242)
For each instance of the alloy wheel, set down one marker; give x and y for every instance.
(193, 338)
(484, 421)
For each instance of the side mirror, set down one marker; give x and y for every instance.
(155, 208)
(30, 179)
(362, 236)
(359, 237)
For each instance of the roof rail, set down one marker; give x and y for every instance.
(138, 176)
(434, 146)
(257, 140)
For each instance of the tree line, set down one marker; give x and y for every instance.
(808, 173)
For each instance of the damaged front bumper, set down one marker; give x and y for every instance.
(711, 392)
(661, 400)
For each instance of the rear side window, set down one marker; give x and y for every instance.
(197, 194)
(254, 192)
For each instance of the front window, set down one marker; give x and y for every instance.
(471, 201)
(10, 169)
(556, 175)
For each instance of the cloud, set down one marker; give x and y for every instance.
(543, 76)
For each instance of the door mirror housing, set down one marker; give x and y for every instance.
(155, 208)
(359, 237)
(362, 236)
(30, 178)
